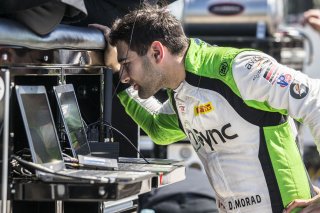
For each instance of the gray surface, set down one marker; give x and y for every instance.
(64, 36)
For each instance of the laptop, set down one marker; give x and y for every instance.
(75, 130)
(45, 148)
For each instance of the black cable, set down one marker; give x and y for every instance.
(1, 127)
(17, 169)
(105, 123)
(108, 125)
(50, 171)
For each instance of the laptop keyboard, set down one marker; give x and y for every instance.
(145, 167)
(87, 173)
(107, 176)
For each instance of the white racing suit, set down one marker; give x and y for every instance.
(235, 107)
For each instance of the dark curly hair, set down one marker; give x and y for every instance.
(147, 25)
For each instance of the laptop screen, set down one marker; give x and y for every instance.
(72, 119)
(38, 117)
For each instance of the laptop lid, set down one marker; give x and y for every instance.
(40, 129)
(72, 119)
(44, 143)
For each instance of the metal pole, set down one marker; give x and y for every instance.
(59, 206)
(101, 132)
(5, 141)
(107, 104)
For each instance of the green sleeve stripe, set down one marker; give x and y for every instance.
(287, 163)
(163, 129)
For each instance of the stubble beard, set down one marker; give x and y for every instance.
(152, 82)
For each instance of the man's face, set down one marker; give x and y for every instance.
(139, 71)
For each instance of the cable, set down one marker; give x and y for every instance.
(50, 171)
(19, 170)
(105, 123)
(1, 127)
(87, 128)
(108, 125)
(67, 158)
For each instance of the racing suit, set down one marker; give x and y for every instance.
(235, 107)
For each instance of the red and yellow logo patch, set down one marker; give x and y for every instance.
(203, 108)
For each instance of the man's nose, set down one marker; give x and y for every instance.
(124, 77)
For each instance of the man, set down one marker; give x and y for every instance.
(312, 18)
(234, 105)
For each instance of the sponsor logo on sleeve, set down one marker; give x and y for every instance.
(298, 90)
(263, 67)
(223, 69)
(203, 109)
(256, 76)
(271, 74)
(284, 80)
(253, 61)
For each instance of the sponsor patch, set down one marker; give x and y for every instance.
(203, 109)
(223, 69)
(269, 73)
(256, 76)
(253, 61)
(182, 108)
(197, 41)
(284, 80)
(298, 90)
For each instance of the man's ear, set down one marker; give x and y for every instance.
(157, 51)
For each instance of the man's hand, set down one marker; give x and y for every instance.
(311, 206)
(110, 54)
(312, 17)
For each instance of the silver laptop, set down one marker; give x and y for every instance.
(44, 143)
(75, 130)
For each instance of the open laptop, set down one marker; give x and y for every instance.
(75, 131)
(44, 143)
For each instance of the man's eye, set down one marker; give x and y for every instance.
(126, 65)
